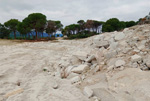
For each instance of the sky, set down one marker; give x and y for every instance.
(70, 11)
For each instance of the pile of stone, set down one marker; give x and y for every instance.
(110, 52)
(115, 50)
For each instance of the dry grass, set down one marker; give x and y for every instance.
(9, 42)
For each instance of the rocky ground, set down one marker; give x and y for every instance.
(108, 67)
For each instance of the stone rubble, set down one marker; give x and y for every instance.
(112, 52)
(111, 67)
(75, 79)
(119, 63)
(88, 92)
(136, 58)
(80, 69)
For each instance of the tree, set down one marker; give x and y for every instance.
(74, 28)
(89, 25)
(114, 23)
(107, 28)
(67, 31)
(96, 25)
(42, 29)
(122, 25)
(59, 25)
(4, 32)
(51, 27)
(36, 21)
(24, 28)
(130, 23)
(12, 25)
(81, 22)
(81, 25)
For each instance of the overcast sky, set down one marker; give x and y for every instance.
(70, 11)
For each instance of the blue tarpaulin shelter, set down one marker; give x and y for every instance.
(40, 35)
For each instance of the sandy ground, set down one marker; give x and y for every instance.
(21, 71)
(6, 42)
(23, 76)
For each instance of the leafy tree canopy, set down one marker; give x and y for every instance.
(4, 32)
(36, 21)
(12, 25)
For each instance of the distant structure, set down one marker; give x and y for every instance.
(58, 35)
(145, 20)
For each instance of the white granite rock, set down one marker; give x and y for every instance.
(110, 68)
(103, 94)
(111, 62)
(113, 45)
(136, 58)
(80, 69)
(90, 58)
(55, 85)
(88, 92)
(98, 38)
(80, 55)
(141, 47)
(119, 63)
(68, 70)
(110, 54)
(75, 79)
(126, 50)
(135, 65)
(75, 60)
(147, 62)
(72, 75)
(119, 36)
(102, 43)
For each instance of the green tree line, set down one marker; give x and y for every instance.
(114, 24)
(92, 27)
(38, 23)
(83, 29)
(34, 22)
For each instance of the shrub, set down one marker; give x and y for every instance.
(81, 35)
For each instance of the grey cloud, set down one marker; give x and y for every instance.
(9, 5)
(70, 11)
